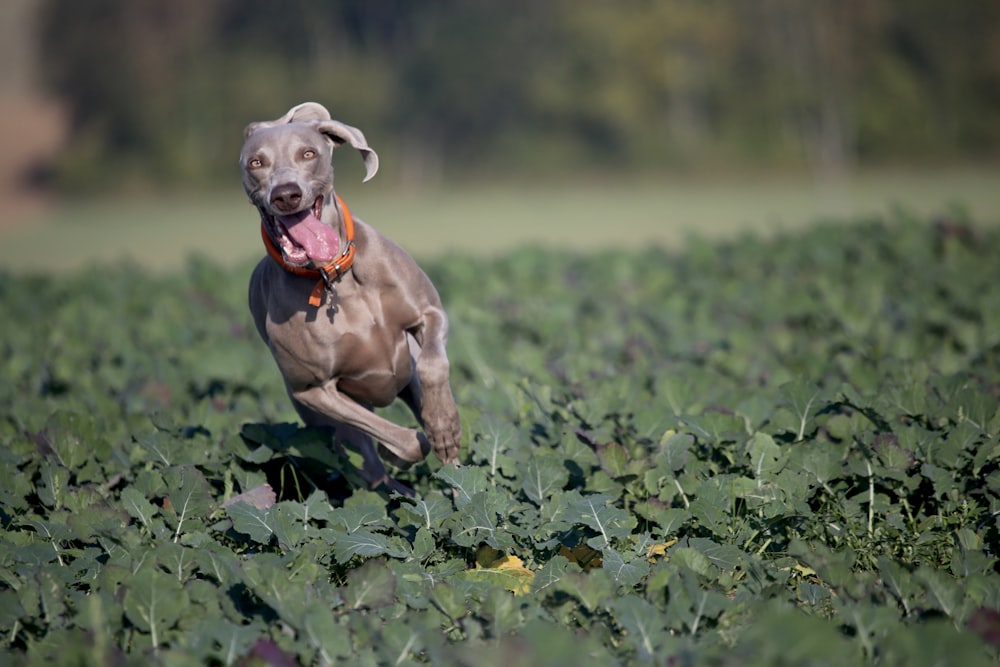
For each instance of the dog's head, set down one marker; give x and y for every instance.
(288, 175)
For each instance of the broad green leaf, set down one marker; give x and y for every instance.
(501, 612)
(14, 487)
(285, 519)
(601, 483)
(219, 563)
(150, 484)
(364, 509)
(804, 399)
(755, 410)
(317, 507)
(550, 574)
(609, 522)
(466, 481)
(712, 505)
(162, 447)
(249, 520)
(942, 590)
(626, 573)
(11, 610)
(649, 419)
(370, 586)
(665, 519)
(269, 578)
(53, 482)
(51, 535)
(803, 637)
(477, 521)
(944, 481)
(179, 560)
(593, 589)
(724, 556)
(891, 455)
(642, 626)
(153, 603)
(677, 392)
(494, 447)
(542, 475)
(403, 641)
(450, 601)
(823, 461)
(190, 495)
(614, 459)
(229, 641)
(675, 450)
(969, 404)
(692, 605)
(958, 445)
(899, 582)
(424, 545)
(986, 453)
(73, 438)
(364, 543)
(429, 511)
(692, 559)
(52, 583)
(320, 630)
(766, 457)
(715, 427)
(138, 507)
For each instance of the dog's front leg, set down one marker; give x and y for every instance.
(438, 412)
(405, 444)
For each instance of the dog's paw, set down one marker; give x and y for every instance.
(445, 436)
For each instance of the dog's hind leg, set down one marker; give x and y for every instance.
(373, 470)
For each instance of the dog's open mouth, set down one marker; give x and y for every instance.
(303, 237)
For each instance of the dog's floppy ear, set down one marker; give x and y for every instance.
(339, 134)
(299, 113)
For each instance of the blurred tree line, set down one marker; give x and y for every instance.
(160, 91)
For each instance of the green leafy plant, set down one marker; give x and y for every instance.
(762, 452)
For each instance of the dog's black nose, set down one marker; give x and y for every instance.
(286, 197)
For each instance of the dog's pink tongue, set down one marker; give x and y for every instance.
(319, 240)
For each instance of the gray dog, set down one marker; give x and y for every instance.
(351, 320)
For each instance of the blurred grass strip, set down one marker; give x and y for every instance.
(160, 232)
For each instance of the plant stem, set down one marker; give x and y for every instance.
(871, 498)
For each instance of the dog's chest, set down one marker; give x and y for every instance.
(348, 339)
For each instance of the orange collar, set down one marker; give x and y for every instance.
(327, 274)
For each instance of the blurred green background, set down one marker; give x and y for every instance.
(571, 123)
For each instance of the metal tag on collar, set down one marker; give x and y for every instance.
(328, 280)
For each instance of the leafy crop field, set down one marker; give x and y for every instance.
(757, 452)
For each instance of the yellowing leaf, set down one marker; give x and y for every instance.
(660, 549)
(804, 570)
(505, 571)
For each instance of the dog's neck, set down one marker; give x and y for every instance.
(331, 272)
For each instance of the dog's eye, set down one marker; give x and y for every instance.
(308, 154)
(255, 163)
